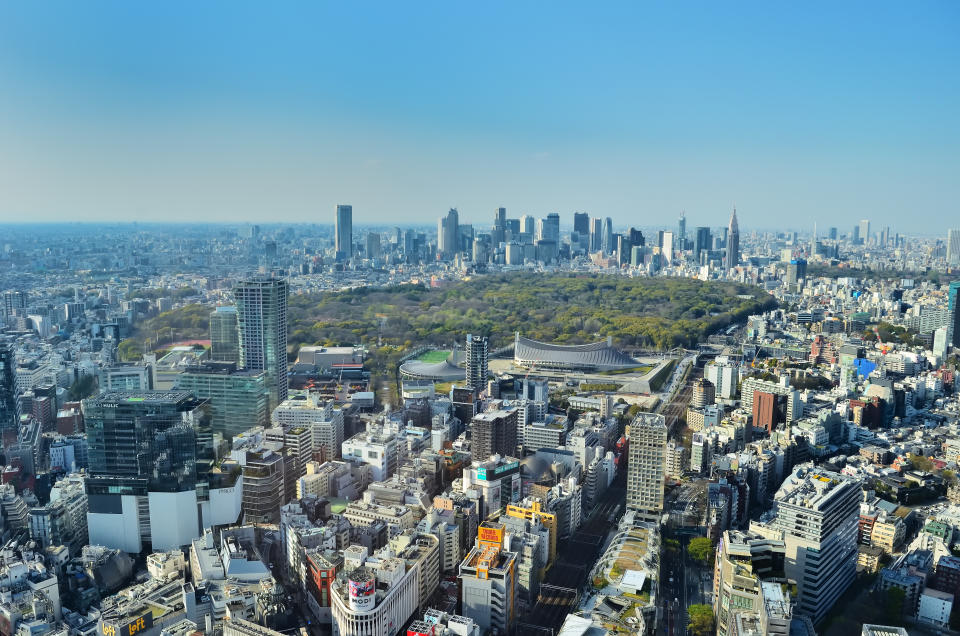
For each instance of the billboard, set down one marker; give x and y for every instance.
(490, 535)
(129, 628)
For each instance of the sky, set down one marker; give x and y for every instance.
(796, 113)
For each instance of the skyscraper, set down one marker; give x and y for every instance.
(646, 470)
(667, 248)
(500, 219)
(224, 335)
(448, 235)
(262, 319)
(865, 230)
(733, 243)
(343, 240)
(953, 247)
(596, 234)
(702, 242)
(476, 362)
(953, 306)
(682, 231)
(528, 225)
(13, 300)
(499, 233)
(608, 245)
(8, 409)
(581, 223)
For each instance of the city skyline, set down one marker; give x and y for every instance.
(820, 115)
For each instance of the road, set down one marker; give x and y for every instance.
(673, 589)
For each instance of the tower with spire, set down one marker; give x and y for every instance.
(733, 243)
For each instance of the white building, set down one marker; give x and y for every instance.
(815, 514)
(935, 607)
(377, 594)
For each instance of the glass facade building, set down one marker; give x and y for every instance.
(238, 398)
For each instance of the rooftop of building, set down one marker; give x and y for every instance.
(811, 488)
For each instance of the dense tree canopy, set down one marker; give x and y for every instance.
(648, 312)
(701, 549)
(701, 619)
(658, 313)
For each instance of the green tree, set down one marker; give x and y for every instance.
(894, 605)
(128, 350)
(921, 462)
(701, 549)
(701, 619)
(84, 387)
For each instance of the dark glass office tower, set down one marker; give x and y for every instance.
(147, 439)
(150, 454)
(8, 407)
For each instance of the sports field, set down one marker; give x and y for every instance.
(434, 356)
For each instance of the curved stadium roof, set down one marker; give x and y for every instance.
(596, 355)
(437, 371)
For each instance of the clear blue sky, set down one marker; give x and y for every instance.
(795, 112)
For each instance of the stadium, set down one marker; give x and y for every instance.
(428, 368)
(596, 356)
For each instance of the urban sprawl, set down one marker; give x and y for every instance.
(524, 427)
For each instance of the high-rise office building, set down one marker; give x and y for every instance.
(13, 300)
(815, 514)
(596, 234)
(528, 226)
(953, 247)
(607, 245)
(448, 235)
(238, 398)
(667, 247)
(262, 317)
(494, 433)
(864, 230)
(150, 456)
(953, 309)
(224, 335)
(682, 231)
(476, 365)
(832, 234)
(733, 243)
(8, 406)
(581, 223)
(343, 237)
(646, 469)
(702, 242)
(373, 245)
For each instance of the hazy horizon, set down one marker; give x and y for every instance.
(228, 113)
